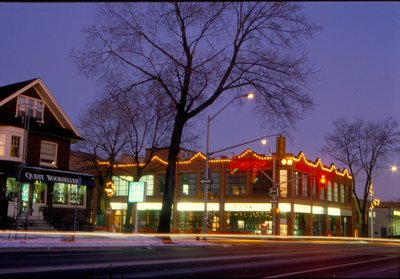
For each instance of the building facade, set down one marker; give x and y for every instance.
(35, 180)
(385, 220)
(280, 194)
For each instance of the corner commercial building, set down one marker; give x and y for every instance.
(250, 193)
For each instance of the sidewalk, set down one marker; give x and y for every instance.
(29, 239)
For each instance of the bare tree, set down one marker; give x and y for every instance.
(199, 52)
(120, 124)
(363, 147)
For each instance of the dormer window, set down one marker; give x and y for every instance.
(31, 107)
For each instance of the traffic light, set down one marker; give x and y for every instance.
(254, 177)
(322, 181)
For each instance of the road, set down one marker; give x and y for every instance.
(224, 259)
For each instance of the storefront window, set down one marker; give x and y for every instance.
(249, 222)
(77, 194)
(39, 193)
(11, 189)
(318, 224)
(69, 194)
(60, 193)
(299, 224)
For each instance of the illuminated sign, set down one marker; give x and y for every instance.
(249, 164)
(136, 191)
(247, 207)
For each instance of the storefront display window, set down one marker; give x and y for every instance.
(69, 194)
(11, 189)
(39, 193)
(248, 222)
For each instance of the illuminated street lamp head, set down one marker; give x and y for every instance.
(264, 141)
(393, 168)
(249, 95)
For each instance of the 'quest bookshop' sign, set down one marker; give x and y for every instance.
(136, 191)
(50, 178)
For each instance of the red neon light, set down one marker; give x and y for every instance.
(249, 164)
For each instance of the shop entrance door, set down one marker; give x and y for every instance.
(33, 199)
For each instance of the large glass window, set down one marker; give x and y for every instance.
(121, 185)
(215, 186)
(69, 194)
(39, 192)
(236, 183)
(48, 153)
(149, 179)
(188, 184)
(11, 188)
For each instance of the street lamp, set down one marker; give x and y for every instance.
(207, 181)
(373, 203)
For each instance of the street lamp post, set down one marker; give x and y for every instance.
(207, 179)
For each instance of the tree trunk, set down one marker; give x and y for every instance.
(164, 225)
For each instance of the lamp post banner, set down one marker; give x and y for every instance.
(249, 164)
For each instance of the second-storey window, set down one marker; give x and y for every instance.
(149, 179)
(329, 189)
(236, 184)
(48, 153)
(15, 146)
(188, 184)
(2, 144)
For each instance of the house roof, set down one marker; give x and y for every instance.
(7, 90)
(11, 91)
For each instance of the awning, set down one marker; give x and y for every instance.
(52, 175)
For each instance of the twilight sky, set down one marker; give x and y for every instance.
(358, 52)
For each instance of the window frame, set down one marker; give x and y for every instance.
(45, 163)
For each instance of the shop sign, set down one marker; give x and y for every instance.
(50, 178)
(248, 164)
(136, 191)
